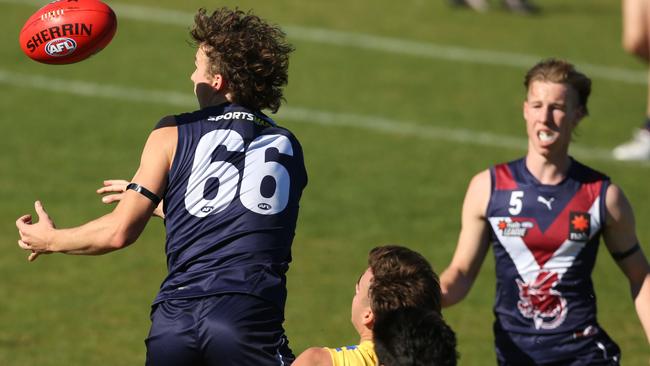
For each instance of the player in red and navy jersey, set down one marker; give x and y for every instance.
(543, 216)
(231, 180)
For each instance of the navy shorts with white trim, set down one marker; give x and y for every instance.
(227, 329)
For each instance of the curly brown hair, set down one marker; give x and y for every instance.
(252, 55)
(401, 278)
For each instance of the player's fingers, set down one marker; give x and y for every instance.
(32, 257)
(25, 218)
(23, 221)
(116, 187)
(23, 245)
(110, 189)
(40, 211)
(112, 198)
(114, 182)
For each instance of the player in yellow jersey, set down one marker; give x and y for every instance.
(396, 277)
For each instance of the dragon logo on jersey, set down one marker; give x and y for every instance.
(514, 228)
(541, 302)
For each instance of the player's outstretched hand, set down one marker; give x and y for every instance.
(35, 236)
(114, 190)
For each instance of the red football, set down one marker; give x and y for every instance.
(68, 31)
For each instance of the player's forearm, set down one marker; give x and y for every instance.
(454, 286)
(99, 236)
(642, 304)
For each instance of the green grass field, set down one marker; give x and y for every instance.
(397, 105)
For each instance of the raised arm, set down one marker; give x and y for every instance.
(112, 231)
(457, 279)
(622, 242)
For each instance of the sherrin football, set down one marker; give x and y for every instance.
(68, 31)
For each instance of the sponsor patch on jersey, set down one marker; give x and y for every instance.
(579, 226)
(514, 228)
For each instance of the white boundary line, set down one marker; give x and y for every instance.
(372, 123)
(377, 43)
(301, 115)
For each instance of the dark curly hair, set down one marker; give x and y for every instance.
(414, 337)
(401, 278)
(252, 55)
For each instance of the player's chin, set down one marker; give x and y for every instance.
(544, 150)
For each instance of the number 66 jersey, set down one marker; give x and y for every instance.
(545, 240)
(231, 205)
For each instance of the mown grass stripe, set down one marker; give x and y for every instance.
(377, 43)
(297, 114)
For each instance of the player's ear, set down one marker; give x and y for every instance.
(524, 109)
(368, 318)
(218, 82)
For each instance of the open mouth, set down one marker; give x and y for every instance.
(547, 136)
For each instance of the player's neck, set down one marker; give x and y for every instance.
(213, 99)
(366, 336)
(548, 170)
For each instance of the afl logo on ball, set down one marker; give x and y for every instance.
(60, 47)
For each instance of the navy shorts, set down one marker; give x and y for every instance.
(593, 348)
(227, 329)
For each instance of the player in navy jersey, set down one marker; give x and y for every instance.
(543, 215)
(231, 180)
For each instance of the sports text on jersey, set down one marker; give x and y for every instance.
(240, 115)
(63, 30)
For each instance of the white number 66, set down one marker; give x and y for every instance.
(257, 169)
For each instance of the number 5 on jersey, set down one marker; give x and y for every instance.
(257, 170)
(516, 202)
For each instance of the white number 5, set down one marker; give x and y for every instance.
(515, 202)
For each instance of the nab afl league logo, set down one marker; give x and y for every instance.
(60, 47)
(579, 226)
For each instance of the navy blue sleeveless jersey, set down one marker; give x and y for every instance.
(545, 240)
(231, 205)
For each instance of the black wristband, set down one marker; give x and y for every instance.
(618, 256)
(145, 192)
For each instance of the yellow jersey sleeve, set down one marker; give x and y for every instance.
(359, 355)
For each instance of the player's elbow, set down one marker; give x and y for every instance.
(121, 239)
(117, 242)
(451, 296)
(122, 231)
(637, 47)
(454, 286)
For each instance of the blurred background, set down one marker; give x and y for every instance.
(397, 105)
